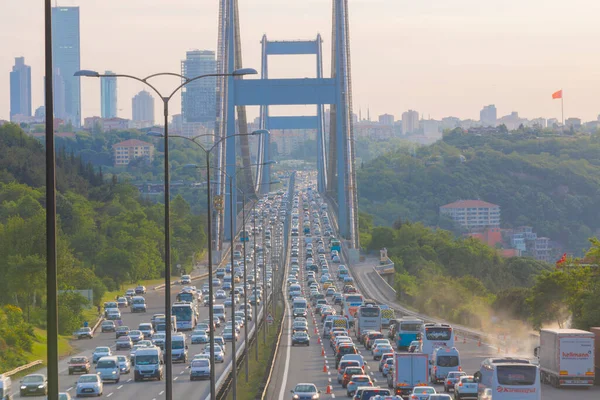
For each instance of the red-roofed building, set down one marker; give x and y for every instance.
(473, 214)
(125, 152)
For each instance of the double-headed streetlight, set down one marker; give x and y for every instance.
(234, 337)
(165, 100)
(207, 152)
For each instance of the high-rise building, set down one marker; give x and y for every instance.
(488, 116)
(20, 88)
(386, 119)
(410, 121)
(142, 106)
(198, 99)
(473, 214)
(108, 96)
(66, 61)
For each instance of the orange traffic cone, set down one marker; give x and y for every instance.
(319, 339)
(324, 367)
(316, 330)
(328, 389)
(322, 351)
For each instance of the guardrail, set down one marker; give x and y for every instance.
(23, 368)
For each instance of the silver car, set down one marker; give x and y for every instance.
(199, 369)
(89, 385)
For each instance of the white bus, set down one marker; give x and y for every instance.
(509, 378)
(436, 335)
(368, 317)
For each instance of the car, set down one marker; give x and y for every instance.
(124, 342)
(34, 384)
(64, 396)
(414, 346)
(380, 350)
(466, 388)
(84, 333)
(199, 369)
(79, 364)
(389, 364)
(422, 393)
(349, 372)
(158, 339)
(219, 354)
(108, 326)
(452, 379)
(121, 331)
(355, 382)
(305, 391)
(229, 334)
(382, 360)
(199, 336)
(89, 385)
(113, 314)
(124, 364)
(342, 367)
(140, 289)
(130, 293)
(146, 329)
(136, 336)
(299, 312)
(122, 302)
(300, 337)
(220, 295)
(186, 279)
(99, 352)
(440, 396)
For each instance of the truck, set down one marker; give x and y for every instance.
(596, 332)
(410, 370)
(566, 357)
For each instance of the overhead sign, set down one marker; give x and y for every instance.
(270, 319)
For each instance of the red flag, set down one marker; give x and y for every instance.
(562, 259)
(557, 95)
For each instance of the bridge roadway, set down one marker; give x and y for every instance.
(183, 388)
(296, 364)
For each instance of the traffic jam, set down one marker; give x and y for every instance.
(369, 353)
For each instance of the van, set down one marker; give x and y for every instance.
(108, 369)
(5, 387)
(148, 364)
(179, 350)
(219, 311)
(220, 273)
(443, 360)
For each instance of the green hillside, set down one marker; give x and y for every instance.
(549, 183)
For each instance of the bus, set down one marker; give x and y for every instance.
(436, 335)
(185, 314)
(407, 330)
(188, 296)
(509, 379)
(335, 245)
(368, 317)
(351, 303)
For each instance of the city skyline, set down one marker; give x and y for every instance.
(108, 96)
(20, 88)
(464, 50)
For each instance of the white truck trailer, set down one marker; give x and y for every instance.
(566, 357)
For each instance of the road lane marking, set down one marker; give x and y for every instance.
(69, 389)
(129, 380)
(175, 378)
(110, 394)
(161, 392)
(119, 387)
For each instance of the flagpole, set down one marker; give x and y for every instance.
(562, 108)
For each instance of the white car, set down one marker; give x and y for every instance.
(466, 388)
(422, 393)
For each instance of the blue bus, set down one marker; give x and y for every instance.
(408, 329)
(335, 245)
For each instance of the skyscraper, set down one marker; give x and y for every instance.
(108, 96)
(66, 61)
(20, 88)
(142, 106)
(198, 99)
(410, 121)
(488, 116)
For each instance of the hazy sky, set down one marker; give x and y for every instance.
(439, 57)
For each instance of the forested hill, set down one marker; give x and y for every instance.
(552, 183)
(23, 159)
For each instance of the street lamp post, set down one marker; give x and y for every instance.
(165, 100)
(255, 280)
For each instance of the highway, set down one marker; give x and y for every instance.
(183, 388)
(316, 363)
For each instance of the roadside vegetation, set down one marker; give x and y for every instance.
(107, 237)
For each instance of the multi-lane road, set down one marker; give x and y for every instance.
(316, 363)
